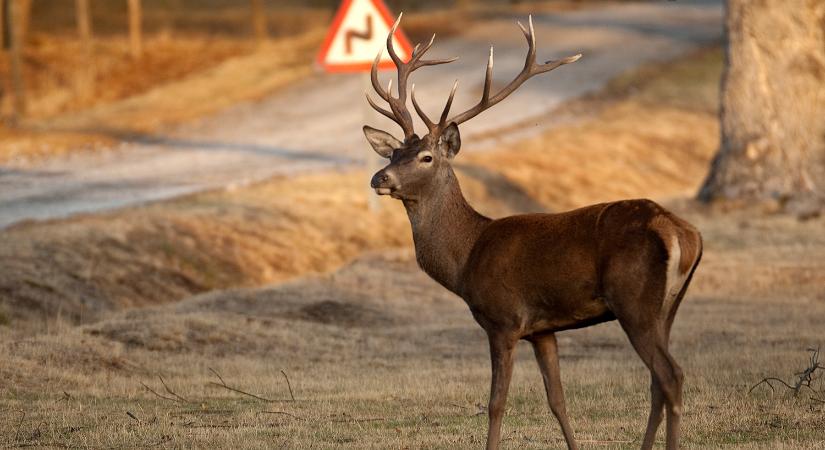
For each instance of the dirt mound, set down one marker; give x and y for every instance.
(82, 267)
(331, 312)
(377, 291)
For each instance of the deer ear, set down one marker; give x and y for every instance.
(382, 142)
(451, 139)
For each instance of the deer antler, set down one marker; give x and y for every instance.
(398, 105)
(530, 69)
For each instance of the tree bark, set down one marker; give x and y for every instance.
(772, 103)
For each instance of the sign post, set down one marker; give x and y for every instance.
(358, 32)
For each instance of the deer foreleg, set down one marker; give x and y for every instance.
(501, 354)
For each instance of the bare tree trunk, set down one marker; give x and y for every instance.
(16, 16)
(86, 74)
(259, 20)
(773, 103)
(135, 31)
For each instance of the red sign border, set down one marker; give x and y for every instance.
(359, 67)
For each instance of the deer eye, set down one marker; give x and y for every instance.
(427, 159)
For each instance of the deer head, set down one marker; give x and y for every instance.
(417, 164)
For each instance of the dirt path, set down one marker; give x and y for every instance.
(316, 123)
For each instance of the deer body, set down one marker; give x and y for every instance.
(525, 277)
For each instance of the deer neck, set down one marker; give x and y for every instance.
(444, 228)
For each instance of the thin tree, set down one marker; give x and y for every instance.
(16, 16)
(772, 104)
(86, 72)
(135, 31)
(258, 11)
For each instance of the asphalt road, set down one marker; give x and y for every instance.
(316, 123)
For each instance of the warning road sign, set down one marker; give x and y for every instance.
(358, 33)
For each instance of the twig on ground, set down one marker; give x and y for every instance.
(291, 395)
(804, 379)
(171, 399)
(20, 423)
(230, 388)
(129, 413)
(65, 398)
(171, 392)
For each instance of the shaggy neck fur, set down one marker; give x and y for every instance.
(445, 228)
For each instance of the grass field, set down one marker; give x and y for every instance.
(376, 354)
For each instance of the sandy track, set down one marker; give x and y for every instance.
(315, 124)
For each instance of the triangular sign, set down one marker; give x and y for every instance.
(357, 34)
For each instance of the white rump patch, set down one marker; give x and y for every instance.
(675, 280)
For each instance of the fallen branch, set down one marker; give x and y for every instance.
(230, 388)
(804, 379)
(129, 413)
(171, 399)
(171, 392)
(767, 380)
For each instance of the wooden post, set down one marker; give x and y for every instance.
(372, 161)
(86, 74)
(135, 31)
(259, 20)
(3, 24)
(15, 16)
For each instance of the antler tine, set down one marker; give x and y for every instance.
(390, 48)
(383, 111)
(429, 123)
(443, 121)
(418, 54)
(530, 69)
(374, 77)
(550, 65)
(488, 78)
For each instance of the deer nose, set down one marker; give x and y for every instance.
(379, 179)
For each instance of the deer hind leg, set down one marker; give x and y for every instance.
(641, 296)
(547, 356)
(657, 404)
(666, 382)
(501, 354)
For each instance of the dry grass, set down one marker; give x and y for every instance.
(174, 84)
(377, 354)
(406, 366)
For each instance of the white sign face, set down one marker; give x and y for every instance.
(358, 33)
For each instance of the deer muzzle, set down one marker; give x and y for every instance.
(383, 182)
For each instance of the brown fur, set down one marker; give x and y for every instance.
(529, 276)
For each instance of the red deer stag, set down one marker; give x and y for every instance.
(529, 276)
